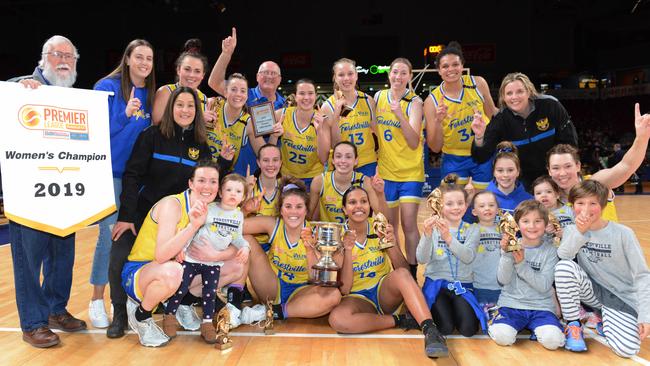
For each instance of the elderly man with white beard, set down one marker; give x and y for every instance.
(42, 308)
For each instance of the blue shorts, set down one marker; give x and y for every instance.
(368, 170)
(307, 182)
(286, 291)
(402, 192)
(130, 274)
(371, 295)
(520, 319)
(485, 296)
(465, 167)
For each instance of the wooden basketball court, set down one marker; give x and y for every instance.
(297, 341)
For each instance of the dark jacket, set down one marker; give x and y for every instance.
(547, 125)
(37, 75)
(158, 167)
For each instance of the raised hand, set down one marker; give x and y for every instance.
(307, 237)
(229, 44)
(478, 125)
(197, 214)
(319, 120)
(377, 183)
(349, 238)
(583, 221)
(227, 151)
(396, 108)
(133, 105)
(641, 123)
(278, 130)
(441, 111)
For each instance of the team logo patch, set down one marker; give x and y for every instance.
(193, 153)
(542, 124)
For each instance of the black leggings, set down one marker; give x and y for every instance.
(120, 250)
(452, 311)
(209, 278)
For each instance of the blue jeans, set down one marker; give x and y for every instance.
(30, 249)
(99, 271)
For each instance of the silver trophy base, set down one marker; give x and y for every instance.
(325, 276)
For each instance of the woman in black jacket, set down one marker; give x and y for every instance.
(533, 122)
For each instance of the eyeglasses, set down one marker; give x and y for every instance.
(62, 55)
(269, 73)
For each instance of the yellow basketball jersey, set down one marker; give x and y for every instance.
(299, 148)
(331, 197)
(228, 132)
(369, 263)
(457, 126)
(267, 208)
(288, 260)
(397, 161)
(144, 247)
(356, 127)
(202, 97)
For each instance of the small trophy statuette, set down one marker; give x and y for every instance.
(222, 324)
(435, 202)
(379, 227)
(267, 323)
(508, 226)
(552, 219)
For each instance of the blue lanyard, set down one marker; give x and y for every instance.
(454, 269)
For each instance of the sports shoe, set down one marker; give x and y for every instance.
(234, 315)
(97, 314)
(250, 315)
(575, 340)
(188, 318)
(435, 344)
(170, 325)
(208, 333)
(407, 322)
(149, 333)
(593, 320)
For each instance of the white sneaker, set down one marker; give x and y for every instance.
(97, 314)
(250, 315)
(148, 332)
(188, 318)
(234, 315)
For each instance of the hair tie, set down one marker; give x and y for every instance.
(289, 186)
(504, 150)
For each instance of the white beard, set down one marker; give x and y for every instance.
(65, 81)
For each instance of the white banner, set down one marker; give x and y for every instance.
(56, 157)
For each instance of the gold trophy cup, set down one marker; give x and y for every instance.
(329, 237)
(379, 227)
(508, 226)
(222, 324)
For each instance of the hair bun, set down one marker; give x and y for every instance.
(193, 45)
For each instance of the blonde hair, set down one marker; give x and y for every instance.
(516, 76)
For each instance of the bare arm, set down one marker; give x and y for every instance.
(621, 172)
(488, 104)
(411, 127)
(314, 197)
(159, 104)
(170, 242)
(259, 225)
(217, 79)
(432, 115)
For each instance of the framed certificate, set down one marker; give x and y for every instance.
(263, 117)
